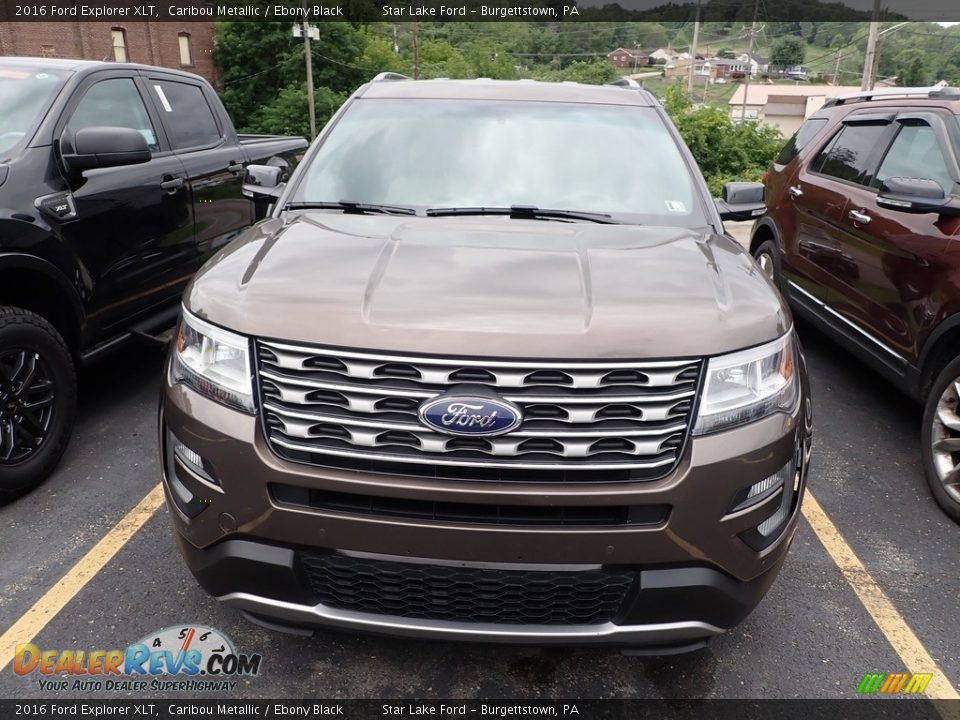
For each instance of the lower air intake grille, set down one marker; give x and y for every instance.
(439, 592)
(473, 513)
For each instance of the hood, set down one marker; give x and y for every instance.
(489, 286)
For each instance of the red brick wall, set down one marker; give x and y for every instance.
(149, 43)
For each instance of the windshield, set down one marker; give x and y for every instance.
(620, 160)
(24, 93)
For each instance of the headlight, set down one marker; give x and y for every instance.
(214, 362)
(748, 385)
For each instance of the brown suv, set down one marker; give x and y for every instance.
(490, 370)
(861, 235)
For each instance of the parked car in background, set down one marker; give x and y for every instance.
(117, 181)
(491, 371)
(862, 235)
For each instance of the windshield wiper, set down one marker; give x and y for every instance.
(351, 206)
(524, 212)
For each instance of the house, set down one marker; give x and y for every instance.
(663, 55)
(186, 46)
(758, 64)
(628, 58)
(783, 106)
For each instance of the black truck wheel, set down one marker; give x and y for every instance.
(38, 400)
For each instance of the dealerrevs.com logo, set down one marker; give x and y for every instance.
(187, 658)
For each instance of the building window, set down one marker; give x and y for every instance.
(119, 38)
(48, 51)
(185, 58)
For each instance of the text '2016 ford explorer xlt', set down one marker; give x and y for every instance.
(490, 371)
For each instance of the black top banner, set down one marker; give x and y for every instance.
(503, 708)
(114, 11)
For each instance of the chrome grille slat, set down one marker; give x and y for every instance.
(324, 402)
(422, 459)
(313, 418)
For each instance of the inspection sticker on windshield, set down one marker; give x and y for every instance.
(675, 206)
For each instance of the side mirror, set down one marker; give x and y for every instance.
(742, 201)
(915, 195)
(263, 183)
(103, 147)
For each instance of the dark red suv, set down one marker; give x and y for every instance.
(862, 235)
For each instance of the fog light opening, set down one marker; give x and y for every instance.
(186, 501)
(784, 480)
(760, 491)
(191, 458)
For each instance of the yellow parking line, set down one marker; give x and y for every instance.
(903, 640)
(56, 598)
(891, 623)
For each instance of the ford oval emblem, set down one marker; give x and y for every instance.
(470, 415)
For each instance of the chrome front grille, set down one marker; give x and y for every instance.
(340, 408)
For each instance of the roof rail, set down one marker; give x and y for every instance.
(627, 82)
(940, 90)
(380, 77)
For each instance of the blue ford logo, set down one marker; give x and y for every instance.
(470, 415)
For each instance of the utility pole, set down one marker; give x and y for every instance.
(309, 60)
(869, 60)
(746, 84)
(693, 49)
(416, 51)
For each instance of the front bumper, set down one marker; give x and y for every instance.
(695, 574)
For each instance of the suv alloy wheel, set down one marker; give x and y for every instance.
(38, 399)
(768, 257)
(941, 439)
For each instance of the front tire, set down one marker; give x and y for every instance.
(38, 400)
(941, 439)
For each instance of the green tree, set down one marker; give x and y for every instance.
(378, 54)
(288, 114)
(724, 150)
(251, 85)
(596, 72)
(912, 67)
(787, 52)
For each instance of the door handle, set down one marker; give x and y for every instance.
(795, 191)
(171, 185)
(859, 217)
(235, 168)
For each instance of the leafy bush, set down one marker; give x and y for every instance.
(289, 114)
(597, 72)
(724, 150)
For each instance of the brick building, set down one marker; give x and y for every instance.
(628, 58)
(187, 46)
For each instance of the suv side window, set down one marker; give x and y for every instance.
(187, 114)
(115, 102)
(807, 132)
(916, 153)
(848, 156)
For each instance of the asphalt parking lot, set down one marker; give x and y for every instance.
(812, 637)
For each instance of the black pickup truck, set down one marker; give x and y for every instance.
(117, 182)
